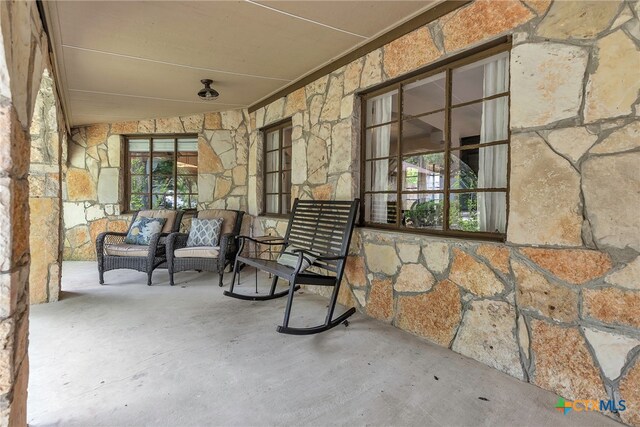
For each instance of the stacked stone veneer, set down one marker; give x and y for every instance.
(23, 59)
(558, 304)
(48, 150)
(93, 197)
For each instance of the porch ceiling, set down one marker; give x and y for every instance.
(134, 60)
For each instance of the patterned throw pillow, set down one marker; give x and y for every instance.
(143, 229)
(204, 232)
(290, 259)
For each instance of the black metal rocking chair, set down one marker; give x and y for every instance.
(320, 232)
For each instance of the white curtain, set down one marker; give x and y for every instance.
(493, 160)
(381, 109)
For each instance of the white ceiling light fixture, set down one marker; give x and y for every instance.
(207, 93)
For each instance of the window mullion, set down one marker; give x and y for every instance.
(447, 149)
(175, 173)
(399, 175)
(150, 187)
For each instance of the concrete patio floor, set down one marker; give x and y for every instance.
(128, 354)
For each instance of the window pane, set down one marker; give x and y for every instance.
(286, 158)
(286, 182)
(479, 168)
(381, 175)
(163, 165)
(424, 95)
(162, 201)
(424, 172)
(187, 165)
(478, 212)
(188, 184)
(139, 145)
(186, 201)
(382, 108)
(163, 145)
(481, 79)
(271, 203)
(139, 164)
(162, 184)
(286, 136)
(423, 211)
(272, 163)
(424, 133)
(381, 208)
(286, 203)
(139, 184)
(273, 140)
(188, 145)
(480, 122)
(271, 182)
(382, 141)
(138, 202)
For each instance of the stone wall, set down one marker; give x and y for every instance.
(48, 149)
(23, 58)
(93, 197)
(557, 304)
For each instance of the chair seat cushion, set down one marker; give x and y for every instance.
(197, 252)
(126, 249)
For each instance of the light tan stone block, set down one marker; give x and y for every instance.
(437, 256)
(628, 277)
(414, 278)
(577, 19)
(572, 142)
(623, 139)
(487, 335)
(169, 125)
(610, 187)
(555, 193)
(613, 88)
(611, 350)
(535, 292)
(381, 259)
(546, 83)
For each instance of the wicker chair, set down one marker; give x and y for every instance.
(183, 258)
(114, 254)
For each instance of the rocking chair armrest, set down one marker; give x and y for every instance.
(319, 256)
(277, 241)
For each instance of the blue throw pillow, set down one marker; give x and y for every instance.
(204, 232)
(143, 229)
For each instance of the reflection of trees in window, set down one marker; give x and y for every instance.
(162, 172)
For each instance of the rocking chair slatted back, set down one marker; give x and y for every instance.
(322, 227)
